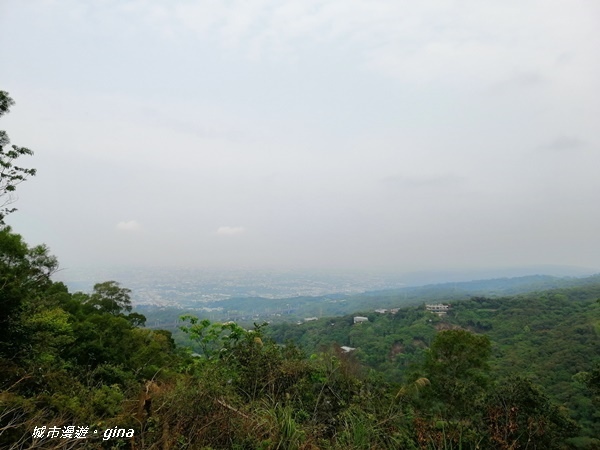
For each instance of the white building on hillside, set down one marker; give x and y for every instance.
(439, 309)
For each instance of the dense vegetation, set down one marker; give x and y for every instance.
(77, 367)
(551, 338)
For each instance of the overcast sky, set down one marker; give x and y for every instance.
(365, 134)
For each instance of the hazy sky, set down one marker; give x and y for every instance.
(317, 134)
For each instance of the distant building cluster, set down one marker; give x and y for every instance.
(438, 308)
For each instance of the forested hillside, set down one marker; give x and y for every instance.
(550, 338)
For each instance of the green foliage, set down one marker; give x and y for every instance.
(456, 365)
(520, 415)
(593, 381)
(106, 400)
(211, 337)
(49, 332)
(11, 175)
(281, 427)
(24, 281)
(109, 297)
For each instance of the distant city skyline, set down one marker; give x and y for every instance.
(328, 135)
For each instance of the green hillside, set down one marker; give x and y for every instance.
(548, 337)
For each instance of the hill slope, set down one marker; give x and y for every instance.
(548, 337)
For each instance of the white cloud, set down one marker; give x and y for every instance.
(129, 225)
(229, 231)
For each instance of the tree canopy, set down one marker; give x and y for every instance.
(11, 175)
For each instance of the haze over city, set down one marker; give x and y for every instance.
(363, 135)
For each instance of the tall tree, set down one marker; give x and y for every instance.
(11, 175)
(110, 297)
(24, 275)
(457, 367)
